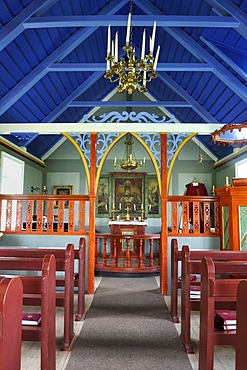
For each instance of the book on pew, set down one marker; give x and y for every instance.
(226, 317)
(195, 292)
(29, 318)
(225, 320)
(225, 327)
(192, 278)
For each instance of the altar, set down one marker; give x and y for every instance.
(124, 227)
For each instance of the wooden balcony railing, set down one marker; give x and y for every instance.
(62, 214)
(127, 253)
(43, 214)
(193, 215)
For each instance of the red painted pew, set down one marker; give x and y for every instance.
(191, 264)
(64, 263)
(215, 290)
(241, 349)
(11, 296)
(44, 287)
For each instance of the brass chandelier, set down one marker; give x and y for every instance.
(129, 162)
(130, 72)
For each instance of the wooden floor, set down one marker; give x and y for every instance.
(224, 355)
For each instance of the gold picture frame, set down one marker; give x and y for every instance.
(62, 190)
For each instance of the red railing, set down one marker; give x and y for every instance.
(43, 214)
(120, 253)
(63, 214)
(193, 215)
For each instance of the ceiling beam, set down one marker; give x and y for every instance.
(226, 58)
(15, 27)
(224, 7)
(137, 20)
(78, 91)
(175, 67)
(61, 52)
(132, 103)
(58, 128)
(197, 107)
(199, 52)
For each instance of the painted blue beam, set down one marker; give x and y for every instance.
(195, 49)
(137, 20)
(197, 107)
(15, 27)
(175, 67)
(224, 7)
(225, 57)
(42, 69)
(78, 91)
(142, 103)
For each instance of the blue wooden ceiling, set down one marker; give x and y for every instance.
(52, 53)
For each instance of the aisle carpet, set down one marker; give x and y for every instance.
(128, 327)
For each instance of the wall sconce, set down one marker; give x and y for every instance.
(35, 189)
(44, 190)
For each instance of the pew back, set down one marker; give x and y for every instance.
(215, 290)
(191, 264)
(30, 259)
(11, 291)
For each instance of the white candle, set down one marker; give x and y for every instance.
(144, 160)
(128, 29)
(116, 47)
(156, 58)
(106, 207)
(141, 206)
(150, 44)
(113, 205)
(112, 48)
(120, 206)
(227, 181)
(144, 78)
(134, 207)
(143, 44)
(109, 40)
(153, 36)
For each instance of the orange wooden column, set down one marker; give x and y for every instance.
(92, 201)
(164, 237)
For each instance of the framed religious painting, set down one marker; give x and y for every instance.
(153, 196)
(103, 195)
(128, 193)
(63, 190)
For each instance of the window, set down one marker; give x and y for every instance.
(12, 179)
(241, 168)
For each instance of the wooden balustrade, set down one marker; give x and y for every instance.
(122, 253)
(66, 214)
(193, 215)
(43, 214)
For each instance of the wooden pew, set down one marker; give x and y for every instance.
(11, 296)
(79, 281)
(176, 260)
(43, 286)
(191, 264)
(79, 278)
(215, 290)
(241, 349)
(64, 263)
